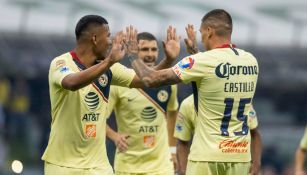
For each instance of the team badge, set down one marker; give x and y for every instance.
(162, 95)
(90, 131)
(103, 80)
(186, 63)
(149, 141)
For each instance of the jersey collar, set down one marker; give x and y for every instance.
(226, 46)
(75, 57)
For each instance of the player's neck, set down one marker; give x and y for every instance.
(220, 42)
(85, 55)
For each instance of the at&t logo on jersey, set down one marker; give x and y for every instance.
(92, 100)
(149, 114)
(225, 70)
(186, 63)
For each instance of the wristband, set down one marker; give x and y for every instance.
(173, 149)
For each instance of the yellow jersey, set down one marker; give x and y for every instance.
(141, 114)
(224, 82)
(185, 121)
(304, 140)
(78, 127)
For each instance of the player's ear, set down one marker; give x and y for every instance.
(94, 39)
(210, 32)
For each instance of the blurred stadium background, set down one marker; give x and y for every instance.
(33, 32)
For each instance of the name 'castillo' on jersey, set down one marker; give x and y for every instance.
(224, 82)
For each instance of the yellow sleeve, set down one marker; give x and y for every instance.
(59, 69)
(113, 99)
(190, 68)
(173, 102)
(121, 75)
(303, 144)
(252, 118)
(184, 127)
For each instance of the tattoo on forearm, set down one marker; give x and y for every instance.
(195, 50)
(151, 78)
(140, 68)
(132, 57)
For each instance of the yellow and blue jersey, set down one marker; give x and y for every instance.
(224, 82)
(78, 127)
(185, 121)
(141, 114)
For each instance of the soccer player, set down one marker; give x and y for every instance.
(300, 155)
(142, 138)
(79, 84)
(224, 79)
(185, 126)
(184, 130)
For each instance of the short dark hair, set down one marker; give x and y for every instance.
(220, 20)
(146, 36)
(86, 21)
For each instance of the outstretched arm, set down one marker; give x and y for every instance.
(153, 78)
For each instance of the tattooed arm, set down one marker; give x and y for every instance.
(153, 78)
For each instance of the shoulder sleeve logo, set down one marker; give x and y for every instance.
(64, 69)
(179, 127)
(186, 63)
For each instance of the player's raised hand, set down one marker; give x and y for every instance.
(131, 43)
(117, 51)
(190, 41)
(172, 44)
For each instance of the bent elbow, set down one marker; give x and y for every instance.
(69, 85)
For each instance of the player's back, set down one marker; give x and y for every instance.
(225, 88)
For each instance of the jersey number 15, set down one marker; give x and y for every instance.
(240, 116)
